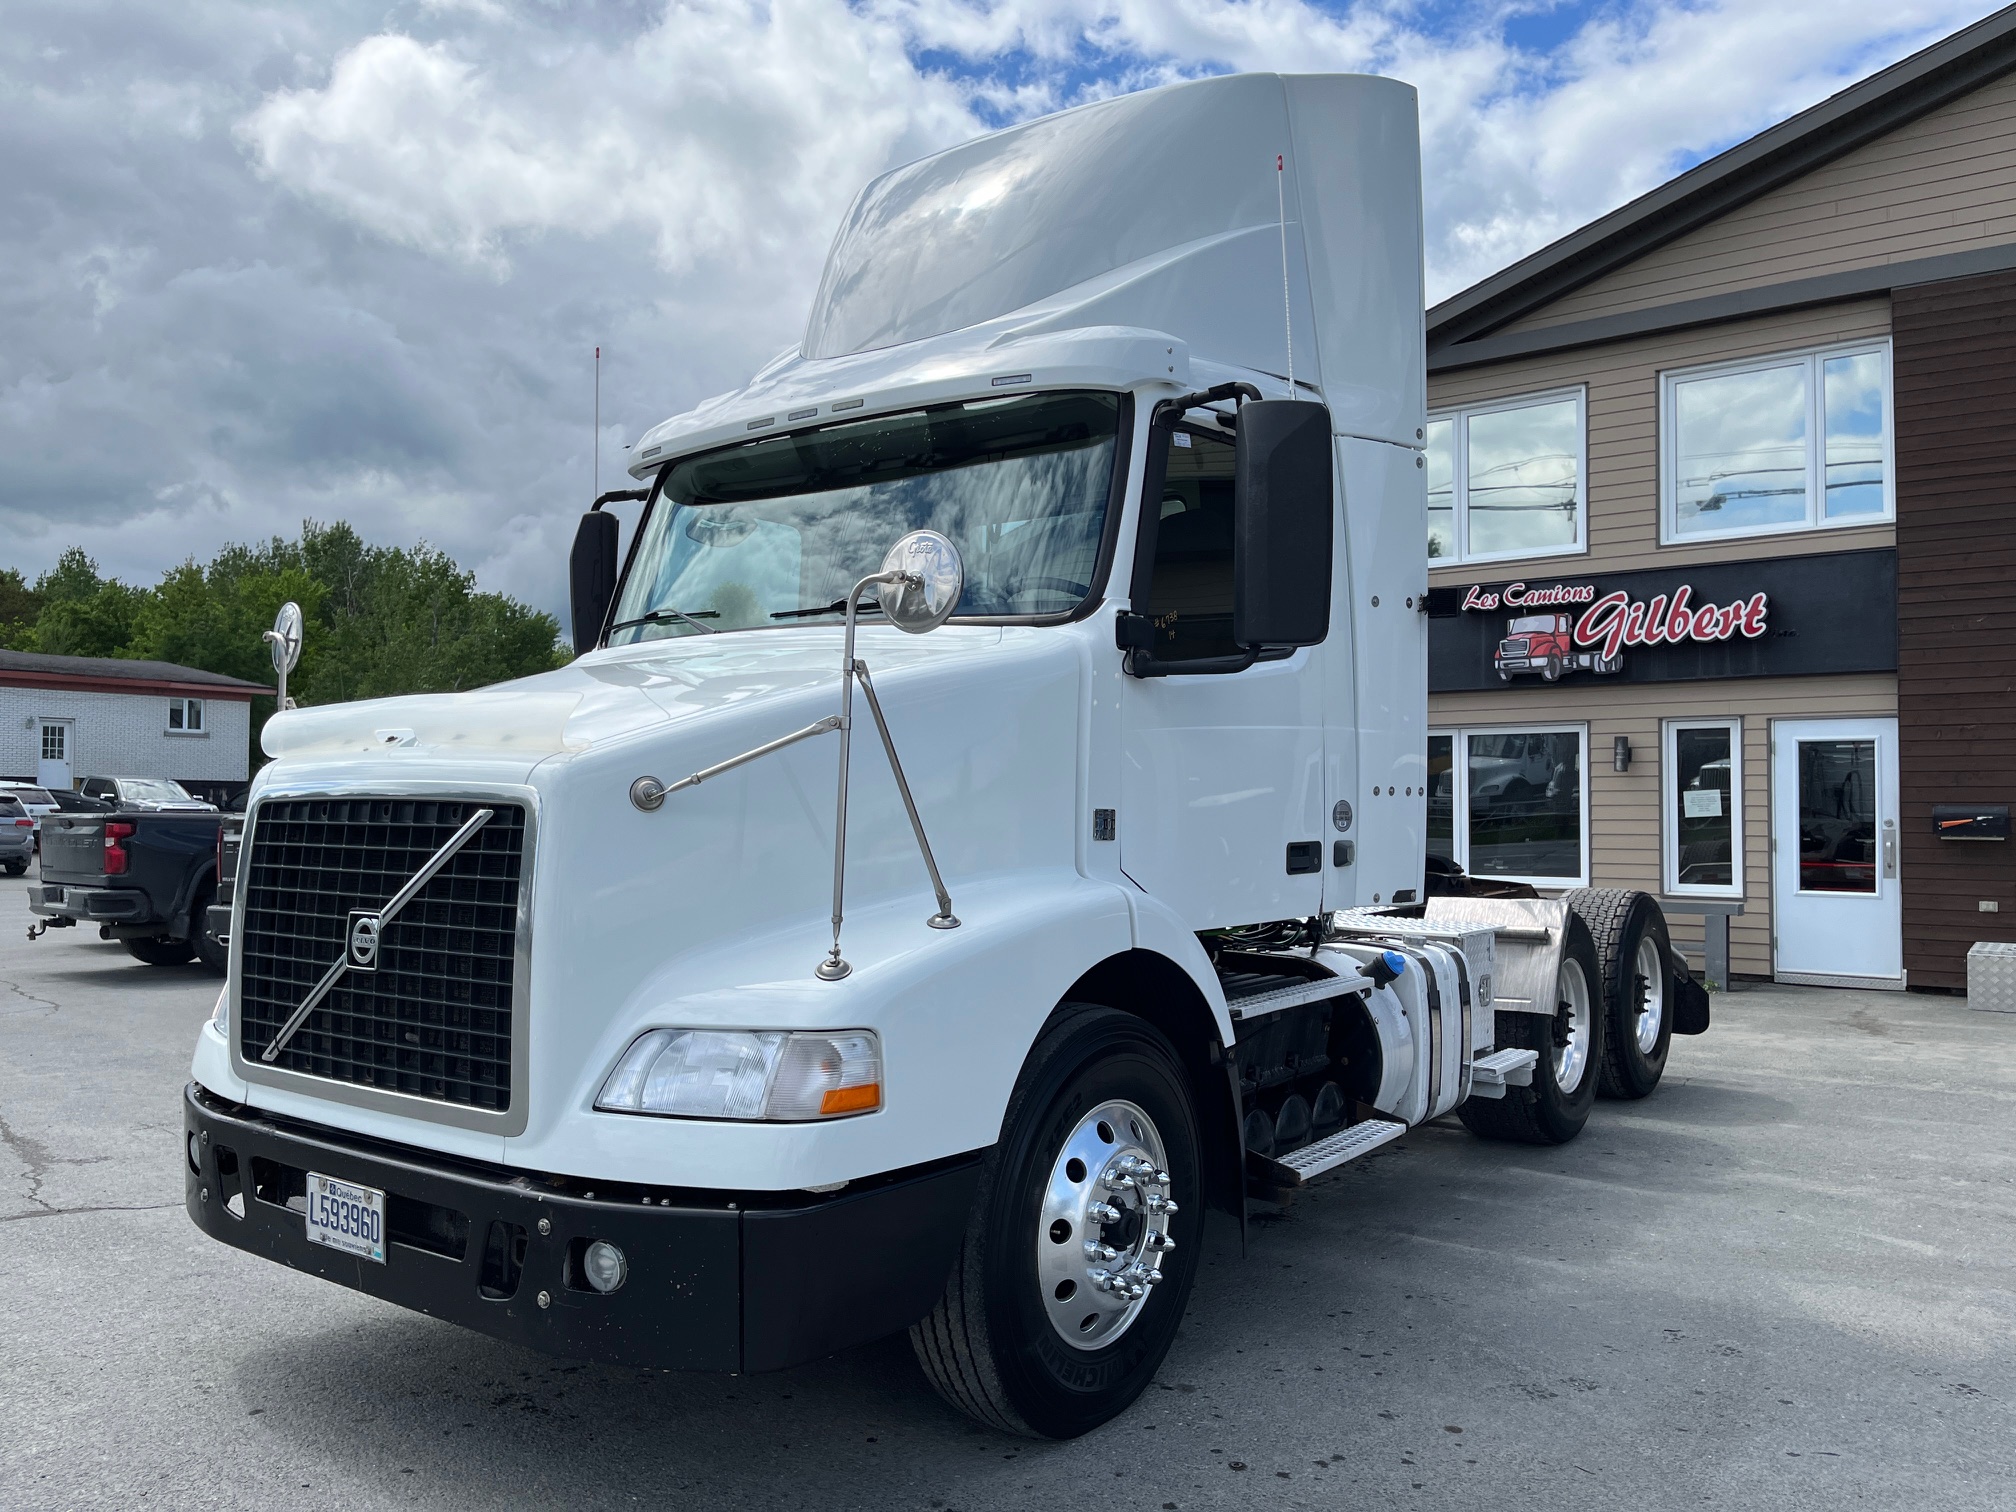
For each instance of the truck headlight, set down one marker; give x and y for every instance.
(762, 1075)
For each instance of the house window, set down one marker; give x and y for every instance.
(1795, 442)
(55, 742)
(1505, 479)
(1511, 803)
(185, 716)
(1701, 779)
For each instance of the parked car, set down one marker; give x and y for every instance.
(146, 880)
(37, 800)
(145, 795)
(17, 835)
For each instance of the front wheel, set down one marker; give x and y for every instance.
(1082, 1243)
(16, 868)
(1570, 1046)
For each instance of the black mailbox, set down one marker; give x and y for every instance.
(1971, 821)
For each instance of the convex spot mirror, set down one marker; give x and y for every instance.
(1283, 510)
(285, 638)
(935, 577)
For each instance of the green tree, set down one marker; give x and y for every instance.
(83, 614)
(20, 607)
(379, 620)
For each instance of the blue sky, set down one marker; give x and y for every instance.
(350, 259)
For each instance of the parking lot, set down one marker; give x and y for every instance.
(1786, 1280)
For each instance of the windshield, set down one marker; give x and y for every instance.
(153, 790)
(30, 794)
(1533, 624)
(749, 536)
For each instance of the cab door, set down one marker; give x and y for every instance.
(1221, 787)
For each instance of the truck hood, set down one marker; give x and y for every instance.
(605, 696)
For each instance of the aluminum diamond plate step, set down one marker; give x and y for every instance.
(1296, 994)
(1326, 1154)
(1506, 1068)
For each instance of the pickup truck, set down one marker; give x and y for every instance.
(146, 880)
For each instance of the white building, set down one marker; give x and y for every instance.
(65, 718)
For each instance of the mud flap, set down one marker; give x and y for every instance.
(1690, 999)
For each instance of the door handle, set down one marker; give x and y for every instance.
(1890, 848)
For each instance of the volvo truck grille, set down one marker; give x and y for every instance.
(432, 1017)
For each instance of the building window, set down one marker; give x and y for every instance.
(1701, 778)
(1505, 479)
(55, 742)
(1795, 442)
(185, 716)
(1511, 803)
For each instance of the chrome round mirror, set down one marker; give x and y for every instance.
(285, 637)
(936, 579)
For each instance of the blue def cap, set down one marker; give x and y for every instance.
(1385, 967)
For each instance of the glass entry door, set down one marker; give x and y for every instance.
(1834, 843)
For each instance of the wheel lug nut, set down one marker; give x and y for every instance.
(1094, 1250)
(1103, 1212)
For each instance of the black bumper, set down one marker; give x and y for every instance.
(717, 1280)
(112, 905)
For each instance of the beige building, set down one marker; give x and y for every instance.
(1707, 478)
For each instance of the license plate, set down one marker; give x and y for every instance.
(346, 1216)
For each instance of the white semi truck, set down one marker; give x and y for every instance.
(666, 1010)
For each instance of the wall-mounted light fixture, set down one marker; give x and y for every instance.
(1620, 754)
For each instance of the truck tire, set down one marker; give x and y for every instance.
(1634, 960)
(16, 868)
(161, 951)
(1035, 1334)
(1570, 1044)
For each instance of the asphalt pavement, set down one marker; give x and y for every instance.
(1786, 1280)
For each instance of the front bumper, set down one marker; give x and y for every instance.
(93, 905)
(718, 1280)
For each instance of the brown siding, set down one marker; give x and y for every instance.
(1955, 384)
(1943, 183)
(1624, 807)
(1623, 419)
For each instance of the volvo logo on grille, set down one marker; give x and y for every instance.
(364, 927)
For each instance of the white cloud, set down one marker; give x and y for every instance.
(350, 260)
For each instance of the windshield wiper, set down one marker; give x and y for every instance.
(660, 616)
(838, 606)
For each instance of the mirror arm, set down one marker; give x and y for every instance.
(620, 496)
(835, 966)
(944, 918)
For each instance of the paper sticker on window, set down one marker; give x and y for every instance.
(1701, 803)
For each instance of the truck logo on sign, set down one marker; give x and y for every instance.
(1594, 639)
(364, 930)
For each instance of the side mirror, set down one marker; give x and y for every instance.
(1282, 524)
(591, 575)
(934, 577)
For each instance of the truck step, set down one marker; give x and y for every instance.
(1303, 1165)
(1295, 994)
(1491, 1074)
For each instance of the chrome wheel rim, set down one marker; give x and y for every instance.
(1571, 1054)
(1104, 1225)
(1648, 981)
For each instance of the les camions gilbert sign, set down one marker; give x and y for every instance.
(1786, 617)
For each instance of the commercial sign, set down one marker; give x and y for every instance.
(1782, 617)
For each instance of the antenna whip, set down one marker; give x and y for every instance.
(1287, 308)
